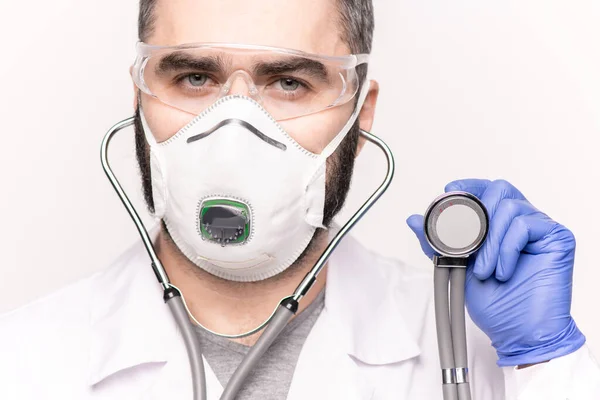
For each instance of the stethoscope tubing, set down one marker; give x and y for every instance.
(157, 266)
(172, 296)
(459, 331)
(285, 310)
(449, 304)
(449, 277)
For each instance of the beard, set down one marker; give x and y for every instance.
(339, 169)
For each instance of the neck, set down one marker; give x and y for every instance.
(235, 307)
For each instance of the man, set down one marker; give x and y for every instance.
(246, 151)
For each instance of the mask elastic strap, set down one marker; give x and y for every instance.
(330, 148)
(147, 132)
(158, 169)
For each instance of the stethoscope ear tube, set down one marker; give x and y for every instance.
(311, 277)
(278, 323)
(157, 267)
(171, 295)
(190, 339)
(284, 312)
(288, 307)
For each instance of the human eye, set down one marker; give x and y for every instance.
(289, 84)
(195, 82)
(289, 87)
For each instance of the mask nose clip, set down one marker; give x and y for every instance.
(232, 86)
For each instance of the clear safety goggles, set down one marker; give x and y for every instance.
(287, 83)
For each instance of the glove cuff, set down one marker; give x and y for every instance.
(567, 342)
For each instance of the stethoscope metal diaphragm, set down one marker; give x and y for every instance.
(456, 224)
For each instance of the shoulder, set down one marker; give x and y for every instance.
(52, 333)
(43, 340)
(387, 271)
(384, 283)
(64, 309)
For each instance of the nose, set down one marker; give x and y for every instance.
(240, 83)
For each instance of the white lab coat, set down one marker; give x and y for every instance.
(111, 337)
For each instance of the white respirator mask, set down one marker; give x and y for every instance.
(240, 198)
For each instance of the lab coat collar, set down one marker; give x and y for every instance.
(131, 325)
(372, 305)
(366, 304)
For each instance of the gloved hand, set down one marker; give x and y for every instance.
(519, 284)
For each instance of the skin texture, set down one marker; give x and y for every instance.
(307, 25)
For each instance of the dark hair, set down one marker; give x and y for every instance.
(355, 17)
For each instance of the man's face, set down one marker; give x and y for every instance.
(307, 25)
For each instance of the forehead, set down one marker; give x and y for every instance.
(307, 25)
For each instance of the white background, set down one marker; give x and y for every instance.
(476, 88)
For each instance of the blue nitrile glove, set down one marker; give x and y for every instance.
(518, 288)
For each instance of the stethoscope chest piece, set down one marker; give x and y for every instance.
(456, 224)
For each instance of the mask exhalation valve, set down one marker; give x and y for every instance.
(224, 221)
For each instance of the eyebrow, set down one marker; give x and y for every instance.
(312, 67)
(179, 61)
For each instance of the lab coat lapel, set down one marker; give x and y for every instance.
(362, 325)
(366, 323)
(325, 370)
(134, 330)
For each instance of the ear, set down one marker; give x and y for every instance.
(367, 113)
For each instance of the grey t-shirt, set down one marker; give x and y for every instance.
(272, 377)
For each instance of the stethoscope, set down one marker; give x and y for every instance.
(455, 225)
(283, 312)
